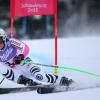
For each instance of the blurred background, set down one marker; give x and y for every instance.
(75, 18)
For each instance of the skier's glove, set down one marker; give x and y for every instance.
(18, 59)
(26, 81)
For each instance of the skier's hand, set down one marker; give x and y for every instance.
(18, 59)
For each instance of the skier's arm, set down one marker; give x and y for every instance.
(20, 46)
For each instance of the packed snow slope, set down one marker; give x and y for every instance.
(80, 53)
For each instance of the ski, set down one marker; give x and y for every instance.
(28, 88)
(59, 88)
(52, 89)
(18, 89)
(45, 89)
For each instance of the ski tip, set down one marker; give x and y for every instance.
(44, 90)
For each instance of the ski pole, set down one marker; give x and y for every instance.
(2, 81)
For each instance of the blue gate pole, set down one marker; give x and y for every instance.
(24, 22)
(48, 27)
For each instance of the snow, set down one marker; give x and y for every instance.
(82, 53)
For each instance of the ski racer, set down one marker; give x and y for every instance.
(12, 53)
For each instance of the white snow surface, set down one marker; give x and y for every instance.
(81, 53)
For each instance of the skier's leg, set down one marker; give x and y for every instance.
(9, 73)
(38, 74)
(15, 75)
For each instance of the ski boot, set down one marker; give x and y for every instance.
(65, 81)
(26, 81)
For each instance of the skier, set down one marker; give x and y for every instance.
(12, 53)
